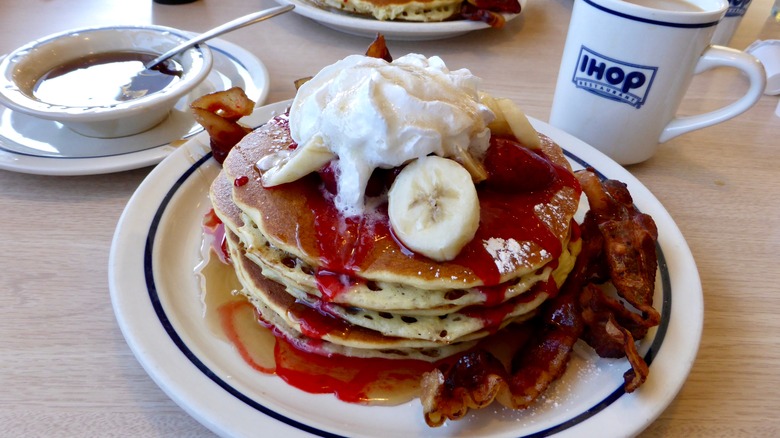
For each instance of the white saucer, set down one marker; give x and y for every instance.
(392, 30)
(31, 145)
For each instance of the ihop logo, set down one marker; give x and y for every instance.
(737, 8)
(613, 79)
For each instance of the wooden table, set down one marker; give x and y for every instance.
(65, 369)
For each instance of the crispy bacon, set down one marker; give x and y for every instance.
(629, 242)
(472, 382)
(538, 363)
(509, 6)
(612, 330)
(231, 104)
(219, 113)
(489, 11)
(546, 356)
(629, 255)
(470, 12)
(618, 247)
(378, 49)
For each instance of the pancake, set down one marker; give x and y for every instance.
(284, 313)
(294, 218)
(403, 10)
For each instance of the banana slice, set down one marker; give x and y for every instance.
(473, 166)
(287, 166)
(510, 119)
(519, 124)
(499, 125)
(433, 207)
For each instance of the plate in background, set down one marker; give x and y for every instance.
(392, 30)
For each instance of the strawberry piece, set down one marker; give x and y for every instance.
(513, 168)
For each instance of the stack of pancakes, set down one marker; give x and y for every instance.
(333, 285)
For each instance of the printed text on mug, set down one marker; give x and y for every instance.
(613, 79)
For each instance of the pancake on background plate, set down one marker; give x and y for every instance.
(414, 10)
(488, 11)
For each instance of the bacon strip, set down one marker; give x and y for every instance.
(219, 113)
(629, 242)
(472, 382)
(629, 254)
(448, 393)
(231, 104)
(546, 357)
(494, 19)
(510, 6)
(378, 49)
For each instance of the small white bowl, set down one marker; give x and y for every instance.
(22, 68)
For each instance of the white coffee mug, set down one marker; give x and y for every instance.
(625, 69)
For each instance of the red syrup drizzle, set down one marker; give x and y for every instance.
(353, 380)
(316, 323)
(495, 294)
(511, 216)
(241, 181)
(332, 284)
(344, 243)
(215, 230)
(493, 316)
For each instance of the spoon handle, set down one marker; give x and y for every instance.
(238, 23)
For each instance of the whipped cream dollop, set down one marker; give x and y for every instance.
(373, 114)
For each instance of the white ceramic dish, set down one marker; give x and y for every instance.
(157, 302)
(392, 30)
(21, 70)
(31, 145)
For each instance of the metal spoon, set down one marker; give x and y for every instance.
(148, 79)
(238, 23)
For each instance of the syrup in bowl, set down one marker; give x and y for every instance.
(105, 79)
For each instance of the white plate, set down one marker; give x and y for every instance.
(157, 301)
(32, 145)
(392, 30)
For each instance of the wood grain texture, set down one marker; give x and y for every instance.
(65, 369)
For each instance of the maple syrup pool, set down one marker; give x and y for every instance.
(105, 79)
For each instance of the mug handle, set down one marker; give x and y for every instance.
(719, 56)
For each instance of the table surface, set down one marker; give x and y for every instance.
(65, 369)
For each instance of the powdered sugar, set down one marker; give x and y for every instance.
(507, 253)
